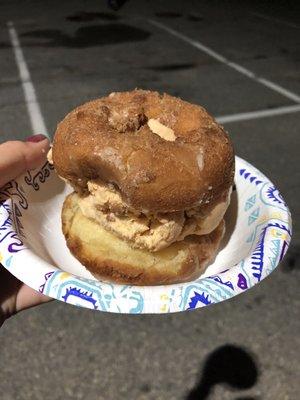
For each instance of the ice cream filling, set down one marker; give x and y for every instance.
(153, 232)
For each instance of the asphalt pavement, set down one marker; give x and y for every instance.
(246, 348)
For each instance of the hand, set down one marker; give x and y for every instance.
(15, 158)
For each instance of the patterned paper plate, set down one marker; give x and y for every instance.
(33, 248)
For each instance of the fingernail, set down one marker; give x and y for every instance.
(36, 138)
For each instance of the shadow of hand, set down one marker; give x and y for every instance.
(230, 365)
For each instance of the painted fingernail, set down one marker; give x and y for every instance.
(36, 138)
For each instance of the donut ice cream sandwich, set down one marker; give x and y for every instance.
(152, 178)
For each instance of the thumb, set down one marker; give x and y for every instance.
(16, 157)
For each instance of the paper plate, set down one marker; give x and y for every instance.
(32, 247)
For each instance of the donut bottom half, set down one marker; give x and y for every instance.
(112, 259)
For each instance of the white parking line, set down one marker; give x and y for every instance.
(223, 119)
(277, 20)
(36, 118)
(198, 45)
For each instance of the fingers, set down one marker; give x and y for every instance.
(16, 157)
(15, 296)
(28, 297)
(9, 287)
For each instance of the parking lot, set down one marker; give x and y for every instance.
(242, 63)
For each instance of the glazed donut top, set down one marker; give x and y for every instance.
(162, 153)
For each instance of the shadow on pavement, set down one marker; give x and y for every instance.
(168, 14)
(171, 67)
(247, 398)
(291, 259)
(229, 365)
(171, 14)
(85, 16)
(87, 36)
